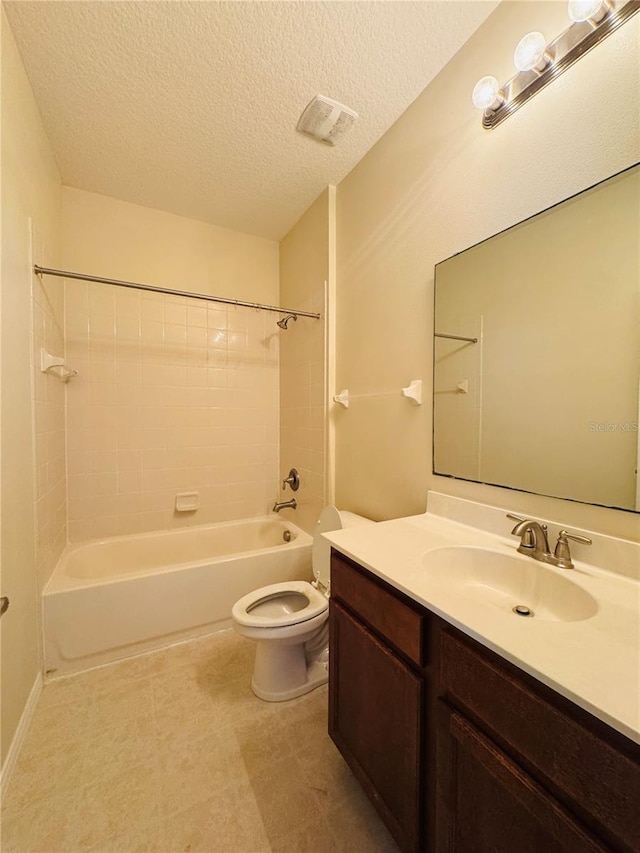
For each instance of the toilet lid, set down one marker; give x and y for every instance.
(246, 610)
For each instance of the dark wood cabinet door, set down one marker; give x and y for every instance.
(375, 710)
(593, 772)
(486, 803)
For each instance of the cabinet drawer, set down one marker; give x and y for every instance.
(599, 778)
(401, 625)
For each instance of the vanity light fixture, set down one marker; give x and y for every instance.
(588, 10)
(538, 62)
(486, 94)
(531, 53)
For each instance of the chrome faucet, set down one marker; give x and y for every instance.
(278, 505)
(534, 542)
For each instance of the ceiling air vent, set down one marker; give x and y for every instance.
(326, 120)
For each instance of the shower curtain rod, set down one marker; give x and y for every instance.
(150, 287)
(455, 337)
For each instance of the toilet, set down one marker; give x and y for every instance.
(290, 623)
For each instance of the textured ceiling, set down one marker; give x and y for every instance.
(191, 107)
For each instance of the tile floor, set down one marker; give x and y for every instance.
(172, 752)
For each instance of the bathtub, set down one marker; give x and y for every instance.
(114, 598)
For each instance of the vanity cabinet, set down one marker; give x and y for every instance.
(458, 749)
(580, 766)
(375, 721)
(487, 802)
(377, 695)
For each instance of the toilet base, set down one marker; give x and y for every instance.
(281, 672)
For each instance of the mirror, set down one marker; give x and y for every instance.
(537, 352)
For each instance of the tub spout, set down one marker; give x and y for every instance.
(278, 505)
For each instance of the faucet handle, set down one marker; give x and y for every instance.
(293, 480)
(562, 553)
(584, 539)
(515, 517)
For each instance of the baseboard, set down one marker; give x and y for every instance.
(20, 734)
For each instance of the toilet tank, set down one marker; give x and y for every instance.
(330, 519)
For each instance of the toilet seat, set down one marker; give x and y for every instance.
(289, 622)
(245, 610)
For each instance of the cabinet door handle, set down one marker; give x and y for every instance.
(4, 604)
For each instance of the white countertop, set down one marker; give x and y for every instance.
(594, 662)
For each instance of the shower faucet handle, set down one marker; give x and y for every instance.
(293, 480)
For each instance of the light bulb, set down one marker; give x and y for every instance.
(530, 53)
(485, 94)
(587, 10)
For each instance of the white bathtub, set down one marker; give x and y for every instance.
(115, 598)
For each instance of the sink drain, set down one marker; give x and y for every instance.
(522, 610)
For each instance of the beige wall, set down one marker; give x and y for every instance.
(116, 239)
(304, 271)
(546, 299)
(30, 193)
(173, 394)
(50, 438)
(437, 183)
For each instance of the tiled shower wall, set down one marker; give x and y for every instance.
(173, 395)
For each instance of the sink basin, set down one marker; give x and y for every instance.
(509, 581)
